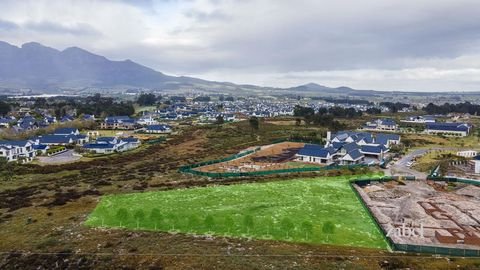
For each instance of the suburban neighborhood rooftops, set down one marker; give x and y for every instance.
(65, 131)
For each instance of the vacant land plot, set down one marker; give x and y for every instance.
(447, 215)
(316, 210)
(271, 157)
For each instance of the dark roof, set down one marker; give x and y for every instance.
(129, 139)
(350, 147)
(355, 154)
(449, 126)
(314, 151)
(383, 138)
(40, 146)
(99, 146)
(14, 143)
(105, 139)
(65, 131)
(388, 122)
(377, 149)
(52, 139)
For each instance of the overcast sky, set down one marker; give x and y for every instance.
(430, 45)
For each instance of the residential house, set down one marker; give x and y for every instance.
(420, 119)
(62, 136)
(6, 122)
(349, 147)
(158, 129)
(107, 145)
(381, 125)
(147, 120)
(315, 154)
(448, 129)
(17, 150)
(118, 122)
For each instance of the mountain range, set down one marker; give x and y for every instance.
(48, 70)
(38, 67)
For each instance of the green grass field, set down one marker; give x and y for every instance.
(316, 210)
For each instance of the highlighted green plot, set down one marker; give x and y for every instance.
(314, 210)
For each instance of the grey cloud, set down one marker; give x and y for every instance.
(80, 29)
(7, 25)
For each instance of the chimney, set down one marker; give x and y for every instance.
(329, 136)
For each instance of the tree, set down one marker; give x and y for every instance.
(202, 99)
(145, 99)
(287, 225)
(248, 223)
(254, 123)
(229, 223)
(139, 216)
(172, 219)
(270, 225)
(328, 228)
(4, 108)
(156, 217)
(122, 215)
(219, 120)
(209, 222)
(307, 228)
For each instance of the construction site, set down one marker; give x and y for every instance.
(425, 213)
(270, 157)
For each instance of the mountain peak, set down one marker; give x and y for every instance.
(35, 46)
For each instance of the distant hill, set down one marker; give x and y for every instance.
(39, 67)
(35, 66)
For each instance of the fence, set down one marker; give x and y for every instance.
(191, 168)
(264, 173)
(460, 252)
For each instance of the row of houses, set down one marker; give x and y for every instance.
(348, 147)
(29, 122)
(147, 123)
(27, 150)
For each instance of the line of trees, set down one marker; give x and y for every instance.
(105, 106)
(324, 117)
(148, 99)
(209, 223)
(464, 107)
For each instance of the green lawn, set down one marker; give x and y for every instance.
(315, 210)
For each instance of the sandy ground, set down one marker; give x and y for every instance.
(439, 208)
(248, 163)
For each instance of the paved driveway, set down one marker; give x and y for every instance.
(64, 157)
